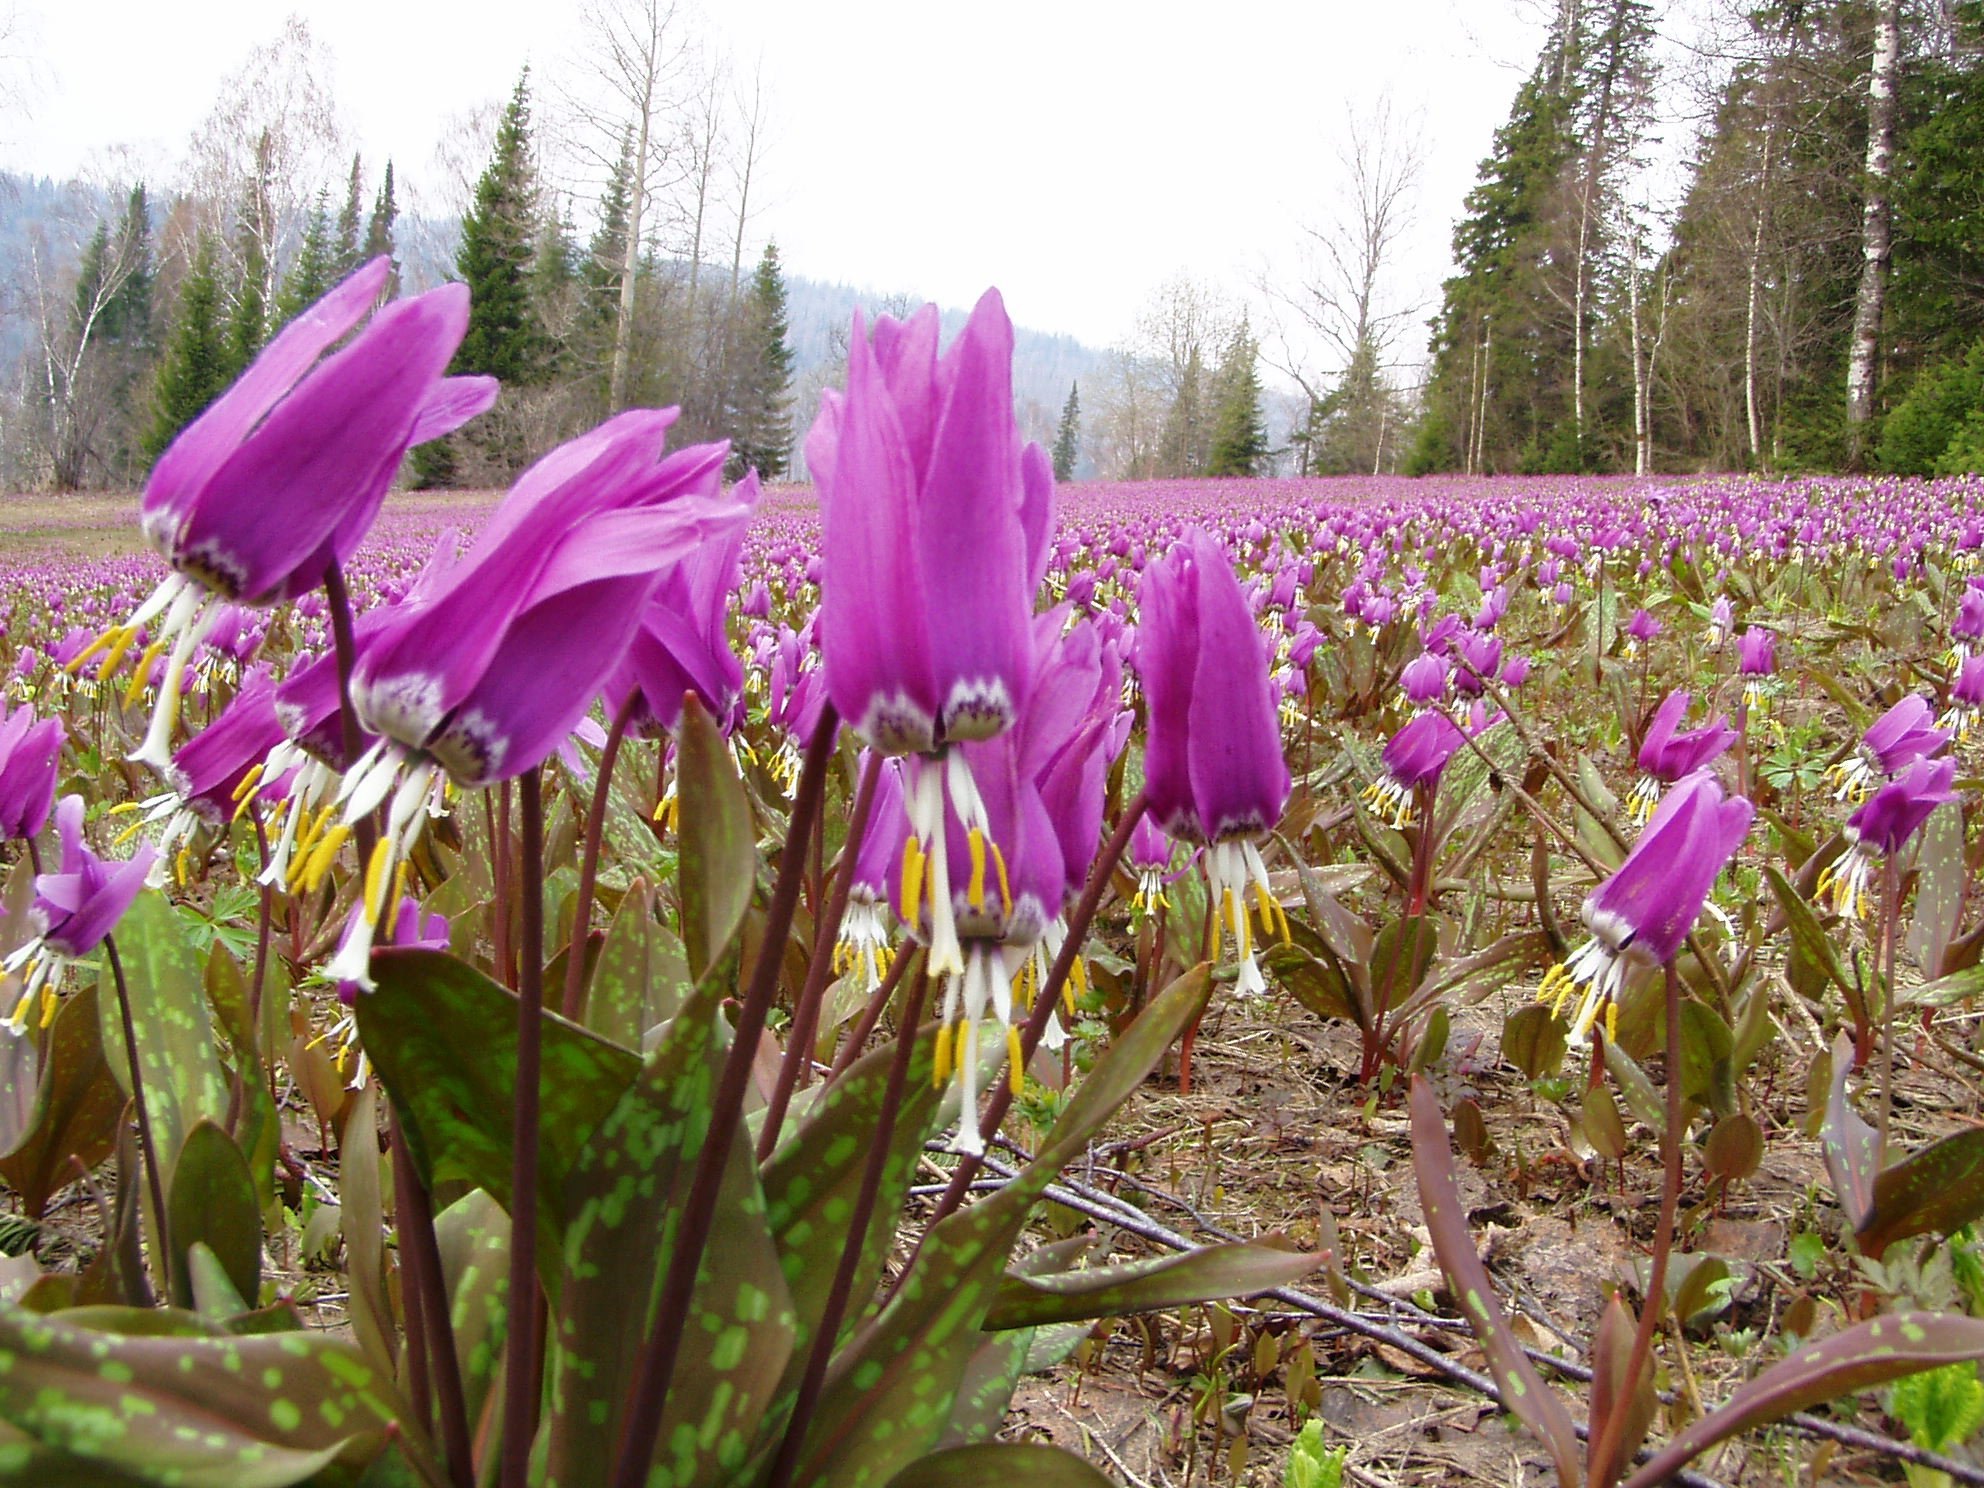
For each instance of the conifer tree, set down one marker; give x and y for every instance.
(1182, 443)
(1067, 436)
(379, 226)
(315, 269)
(195, 368)
(127, 318)
(1239, 433)
(762, 438)
(350, 220)
(498, 251)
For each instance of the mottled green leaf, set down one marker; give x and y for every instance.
(1204, 1275)
(211, 1201)
(625, 1194)
(718, 856)
(77, 1105)
(1706, 1046)
(1317, 985)
(1534, 1040)
(1863, 1356)
(1930, 1192)
(1939, 879)
(178, 1053)
(629, 994)
(1852, 1147)
(473, 1235)
(999, 1465)
(1523, 1393)
(889, 1391)
(812, 1180)
(257, 1412)
(1807, 934)
(443, 1038)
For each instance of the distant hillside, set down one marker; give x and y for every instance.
(1044, 363)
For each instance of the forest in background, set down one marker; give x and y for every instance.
(1807, 295)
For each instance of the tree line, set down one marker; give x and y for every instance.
(654, 303)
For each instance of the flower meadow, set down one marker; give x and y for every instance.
(669, 959)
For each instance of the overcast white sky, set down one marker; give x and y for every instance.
(1074, 152)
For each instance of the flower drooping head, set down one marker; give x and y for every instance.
(934, 525)
(1667, 755)
(1893, 742)
(1644, 911)
(283, 474)
(29, 753)
(1882, 827)
(73, 908)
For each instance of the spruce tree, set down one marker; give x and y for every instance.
(497, 253)
(1182, 442)
(1239, 433)
(350, 219)
(195, 368)
(762, 438)
(1066, 437)
(127, 318)
(379, 226)
(315, 269)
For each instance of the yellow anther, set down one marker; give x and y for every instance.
(124, 808)
(20, 1018)
(375, 878)
(127, 834)
(179, 862)
(912, 881)
(399, 882)
(940, 1071)
(50, 1005)
(141, 673)
(77, 662)
(1611, 1022)
(245, 791)
(976, 892)
(1016, 1062)
(322, 856)
(1005, 887)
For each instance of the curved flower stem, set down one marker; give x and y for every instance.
(364, 831)
(152, 1169)
(1001, 1099)
(1606, 1448)
(806, 1015)
(520, 1372)
(856, 1242)
(655, 1369)
(575, 954)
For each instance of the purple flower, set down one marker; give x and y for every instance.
(1882, 827)
(861, 947)
(1150, 855)
(683, 644)
(1894, 741)
(1969, 623)
(1966, 699)
(493, 664)
(934, 525)
(1641, 629)
(1642, 914)
(214, 771)
(1212, 764)
(29, 754)
(1416, 756)
(284, 473)
(1721, 621)
(1424, 680)
(1666, 754)
(1515, 671)
(1480, 658)
(1756, 652)
(73, 909)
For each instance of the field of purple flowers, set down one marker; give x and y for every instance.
(885, 967)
